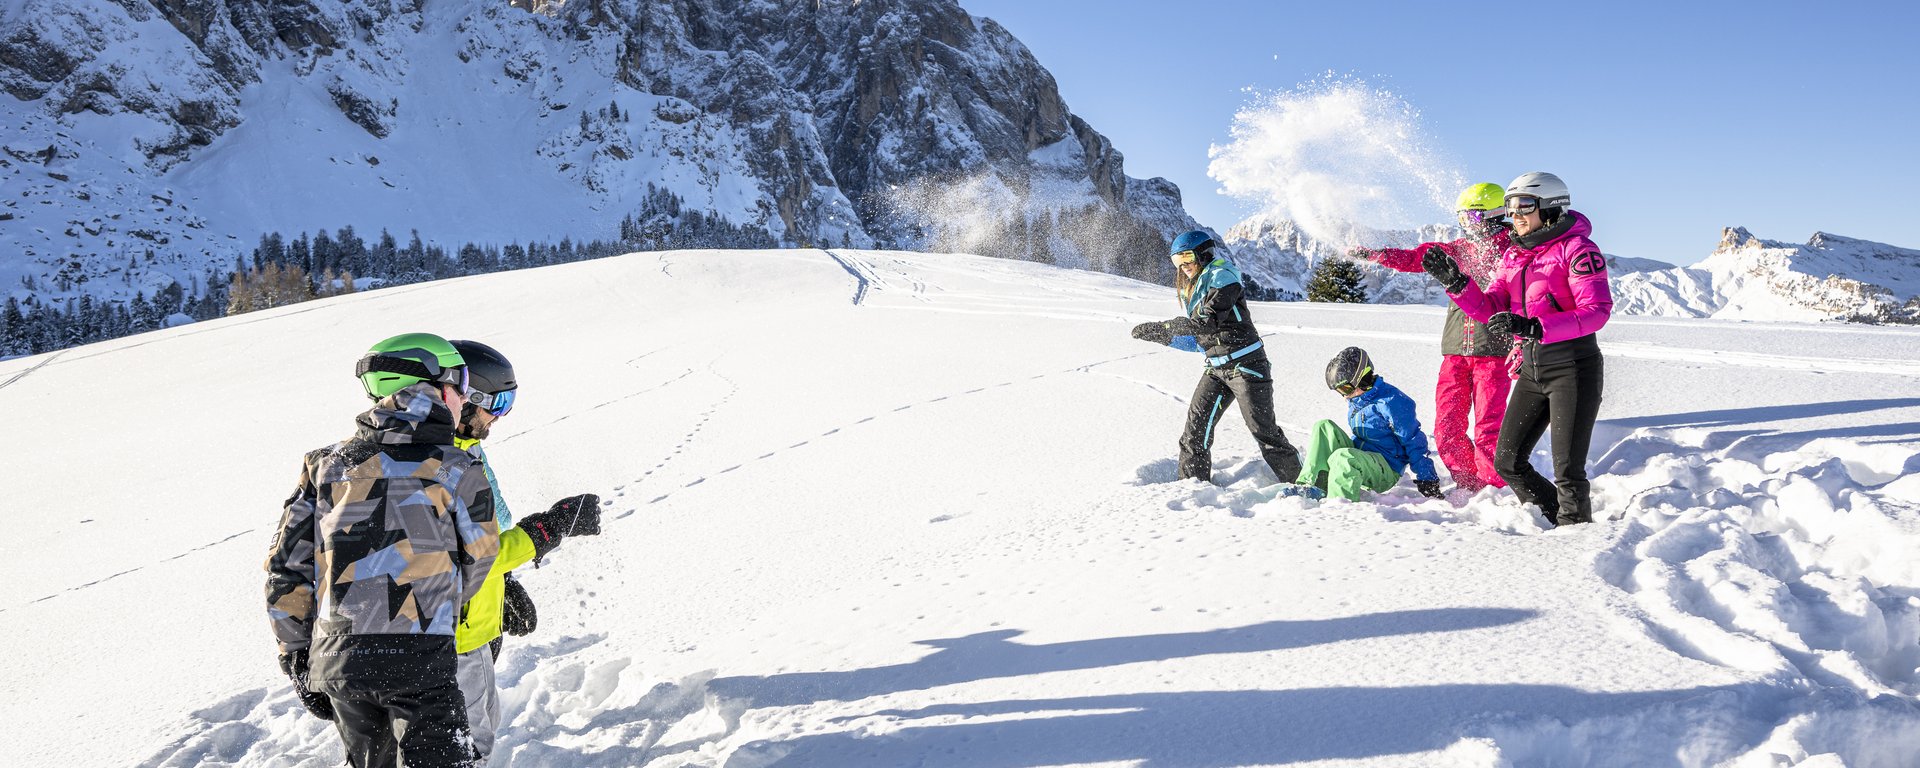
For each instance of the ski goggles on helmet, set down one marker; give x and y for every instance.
(1521, 205)
(1472, 217)
(1184, 258)
(497, 403)
(419, 364)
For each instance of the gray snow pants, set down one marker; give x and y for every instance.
(474, 670)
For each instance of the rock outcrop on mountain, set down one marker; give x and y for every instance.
(152, 139)
(1748, 278)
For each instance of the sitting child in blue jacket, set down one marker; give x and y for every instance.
(1386, 436)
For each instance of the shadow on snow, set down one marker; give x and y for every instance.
(989, 655)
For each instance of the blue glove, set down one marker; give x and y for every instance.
(1185, 344)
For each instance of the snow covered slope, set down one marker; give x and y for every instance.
(876, 508)
(147, 142)
(1747, 278)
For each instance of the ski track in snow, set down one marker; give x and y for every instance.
(683, 374)
(29, 371)
(111, 577)
(700, 479)
(861, 281)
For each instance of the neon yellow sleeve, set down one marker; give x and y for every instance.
(516, 548)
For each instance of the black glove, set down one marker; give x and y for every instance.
(1360, 254)
(1155, 332)
(1428, 488)
(1508, 323)
(517, 616)
(294, 664)
(1441, 268)
(571, 516)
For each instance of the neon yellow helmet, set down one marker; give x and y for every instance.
(1482, 197)
(396, 363)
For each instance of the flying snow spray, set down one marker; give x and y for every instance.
(1336, 156)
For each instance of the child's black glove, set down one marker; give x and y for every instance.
(571, 516)
(517, 616)
(294, 664)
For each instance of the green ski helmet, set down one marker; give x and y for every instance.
(401, 361)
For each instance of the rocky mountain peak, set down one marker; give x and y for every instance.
(907, 123)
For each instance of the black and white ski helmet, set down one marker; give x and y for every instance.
(1351, 369)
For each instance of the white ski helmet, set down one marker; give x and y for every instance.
(1546, 186)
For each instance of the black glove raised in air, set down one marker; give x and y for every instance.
(1518, 325)
(1441, 268)
(571, 516)
(517, 616)
(1428, 488)
(294, 664)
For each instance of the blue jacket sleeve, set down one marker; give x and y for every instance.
(1406, 426)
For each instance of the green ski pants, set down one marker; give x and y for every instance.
(1349, 470)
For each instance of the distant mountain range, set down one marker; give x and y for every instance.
(1748, 278)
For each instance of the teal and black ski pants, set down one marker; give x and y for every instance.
(1250, 383)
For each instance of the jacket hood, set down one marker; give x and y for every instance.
(412, 416)
(1571, 225)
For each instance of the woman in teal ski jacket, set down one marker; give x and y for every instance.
(1218, 325)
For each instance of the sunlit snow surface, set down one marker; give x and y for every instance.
(871, 508)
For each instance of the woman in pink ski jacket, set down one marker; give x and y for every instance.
(1551, 293)
(1473, 370)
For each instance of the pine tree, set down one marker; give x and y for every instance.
(13, 329)
(140, 314)
(1336, 280)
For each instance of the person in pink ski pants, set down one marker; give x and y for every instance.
(1473, 367)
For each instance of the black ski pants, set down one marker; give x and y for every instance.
(1251, 383)
(1566, 396)
(426, 728)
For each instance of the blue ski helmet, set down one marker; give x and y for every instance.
(1197, 241)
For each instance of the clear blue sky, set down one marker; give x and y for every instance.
(1668, 120)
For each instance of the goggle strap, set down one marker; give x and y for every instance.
(400, 365)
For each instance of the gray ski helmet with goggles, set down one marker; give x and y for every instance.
(398, 362)
(1350, 370)
(490, 381)
(1546, 187)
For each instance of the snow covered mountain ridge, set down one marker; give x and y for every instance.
(1749, 278)
(151, 141)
